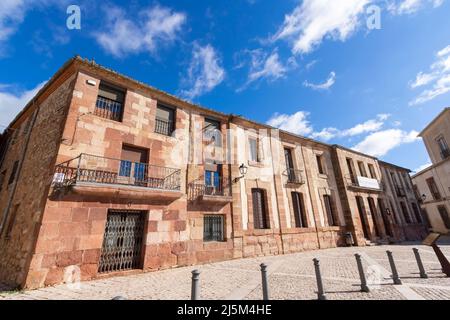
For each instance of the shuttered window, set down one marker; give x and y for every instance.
(165, 120)
(299, 210)
(260, 220)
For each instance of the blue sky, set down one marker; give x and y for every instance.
(312, 67)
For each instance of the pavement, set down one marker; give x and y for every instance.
(291, 277)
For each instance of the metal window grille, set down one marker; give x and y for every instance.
(122, 242)
(213, 228)
(163, 126)
(108, 109)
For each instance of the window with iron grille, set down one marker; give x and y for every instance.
(110, 102)
(260, 216)
(444, 215)
(165, 120)
(213, 228)
(433, 189)
(212, 132)
(329, 208)
(299, 210)
(12, 177)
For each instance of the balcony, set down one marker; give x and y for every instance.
(100, 176)
(108, 109)
(363, 183)
(294, 176)
(217, 192)
(163, 126)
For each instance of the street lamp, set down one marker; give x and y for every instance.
(424, 197)
(243, 171)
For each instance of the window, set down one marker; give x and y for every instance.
(320, 164)
(134, 164)
(362, 169)
(293, 176)
(165, 120)
(260, 220)
(12, 177)
(433, 189)
(12, 221)
(255, 149)
(443, 146)
(2, 179)
(109, 102)
(329, 210)
(212, 132)
(405, 212)
(406, 181)
(373, 175)
(416, 212)
(213, 228)
(444, 215)
(351, 170)
(373, 213)
(299, 210)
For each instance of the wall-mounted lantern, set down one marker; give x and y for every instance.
(243, 171)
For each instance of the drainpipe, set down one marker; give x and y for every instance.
(276, 194)
(19, 169)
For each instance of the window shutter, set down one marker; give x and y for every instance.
(259, 209)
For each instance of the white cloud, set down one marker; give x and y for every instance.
(322, 86)
(325, 134)
(12, 13)
(411, 6)
(296, 123)
(204, 73)
(12, 103)
(437, 80)
(314, 20)
(265, 66)
(151, 28)
(423, 167)
(380, 143)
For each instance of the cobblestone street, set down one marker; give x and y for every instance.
(290, 277)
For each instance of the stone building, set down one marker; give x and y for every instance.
(103, 175)
(432, 185)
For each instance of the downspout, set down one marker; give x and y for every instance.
(276, 196)
(230, 176)
(19, 169)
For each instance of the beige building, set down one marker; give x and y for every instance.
(103, 175)
(433, 183)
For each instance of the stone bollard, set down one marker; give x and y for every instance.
(119, 298)
(362, 276)
(265, 283)
(423, 274)
(320, 292)
(195, 289)
(395, 276)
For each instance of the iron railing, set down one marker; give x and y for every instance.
(352, 181)
(213, 228)
(219, 187)
(294, 176)
(108, 108)
(94, 169)
(163, 126)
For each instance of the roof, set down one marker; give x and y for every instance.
(441, 114)
(93, 64)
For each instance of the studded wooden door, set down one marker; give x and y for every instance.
(122, 242)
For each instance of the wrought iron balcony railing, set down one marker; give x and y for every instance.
(109, 109)
(219, 188)
(363, 182)
(163, 126)
(100, 170)
(294, 176)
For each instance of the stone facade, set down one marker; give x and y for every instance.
(54, 231)
(436, 203)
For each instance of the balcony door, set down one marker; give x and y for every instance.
(133, 164)
(289, 165)
(213, 185)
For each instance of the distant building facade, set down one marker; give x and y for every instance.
(432, 184)
(101, 175)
